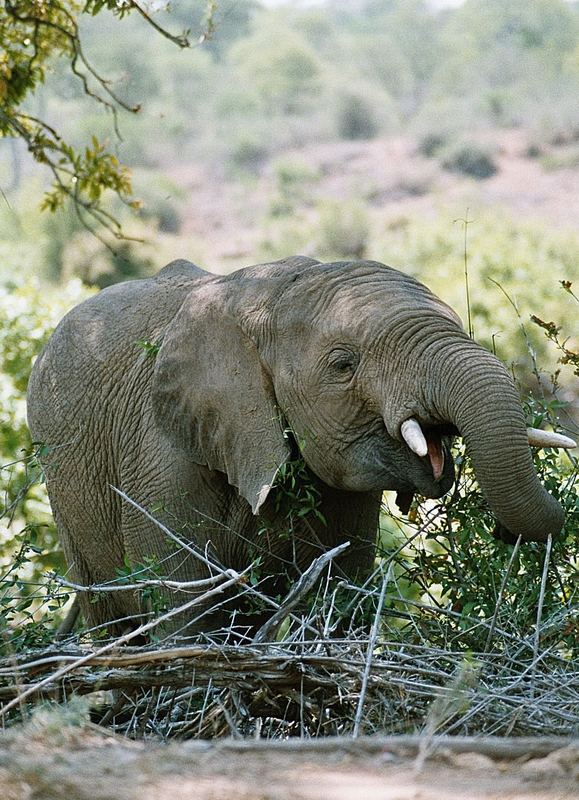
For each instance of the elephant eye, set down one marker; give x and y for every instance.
(343, 362)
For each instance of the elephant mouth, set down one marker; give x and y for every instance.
(435, 453)
(429, 443)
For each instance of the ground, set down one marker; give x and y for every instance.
(390, 176)
(87, 765)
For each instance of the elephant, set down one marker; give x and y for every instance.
(352, 370)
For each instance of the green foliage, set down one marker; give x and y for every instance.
(344, 229)
(267, 78)
(152, 597)
(470, 159)
(568, 355)
(32, 35)
(522, 44)
(248, 153)
(564, 158)
(294, 182)
(97, 265)
(333, 230)
(28, 543)
(297, 494)
(355, 117)
(28, 315)
(280, 66)
(431, 144)
(528, 261)
(150, 349)
(447, 558)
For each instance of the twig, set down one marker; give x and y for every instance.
(164, 583)
(466, 222)
(501, 593)
(370, 652)
(122, 640)
(540, 607)
(304, 585)
(211, 564)
(181, 40)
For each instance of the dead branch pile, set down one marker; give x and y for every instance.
(369, 667)
(306, 686)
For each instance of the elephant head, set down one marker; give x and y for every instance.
(370, 372)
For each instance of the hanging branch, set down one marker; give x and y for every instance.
(33, 34)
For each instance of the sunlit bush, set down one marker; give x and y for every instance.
(514, 270)
(343, 229)
(28, 545)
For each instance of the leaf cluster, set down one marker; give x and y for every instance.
(569, 354)
(34, 34)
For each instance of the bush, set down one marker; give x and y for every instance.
(248, 154)
(99, 266)
(28, 544)
(344, 229)
(294, 179)
(471, 159)
(526, 260)
(355, 117)
(278, 65)
(432, 143)
(564, 158)
(162, 201)
(533, 150)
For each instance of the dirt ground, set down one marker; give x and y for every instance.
(80, 765)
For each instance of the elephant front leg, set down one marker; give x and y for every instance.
(353, 517)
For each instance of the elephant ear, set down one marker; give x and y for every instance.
(213, 396)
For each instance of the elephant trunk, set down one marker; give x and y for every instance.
(476, 394)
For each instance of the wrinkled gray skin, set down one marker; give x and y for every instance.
(341, 354)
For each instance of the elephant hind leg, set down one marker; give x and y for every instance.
(104, 613)
(92, 559)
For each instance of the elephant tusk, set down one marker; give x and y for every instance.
(539, 438)
(411, 432)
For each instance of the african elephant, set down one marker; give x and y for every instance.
(356, 366)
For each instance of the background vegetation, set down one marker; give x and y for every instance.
(441, 141)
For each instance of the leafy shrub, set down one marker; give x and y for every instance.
(445, 556)
(279, 65)
(343, 229)
(432, 143)
(564, 158)
(533, 150)
(248, 154)
(28, 545)
(355, 117)
(99, 266)
(293, 182)
(528, 261)
(470, 159)
(162, 201)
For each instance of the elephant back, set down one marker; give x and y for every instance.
(105, 343)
